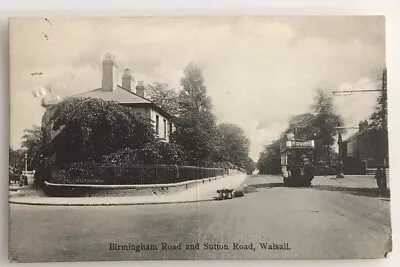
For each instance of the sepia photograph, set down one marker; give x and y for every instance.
(198, 138)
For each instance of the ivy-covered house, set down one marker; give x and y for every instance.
(125, 93)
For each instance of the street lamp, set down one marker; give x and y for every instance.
(26, 163)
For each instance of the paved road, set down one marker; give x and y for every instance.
(334, 219)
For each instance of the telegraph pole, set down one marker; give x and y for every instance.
(384, 126)
(340, 167)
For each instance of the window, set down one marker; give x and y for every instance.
(165, 128)
(157, 125)
(170, 127)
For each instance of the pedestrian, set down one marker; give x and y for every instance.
(380, 176)
(176, 171)
(384, 182)
(308, 170)
(364, 167)
(326, 170)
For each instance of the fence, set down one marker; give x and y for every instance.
(129, 175)
(28, 173)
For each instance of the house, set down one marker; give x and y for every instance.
(124, 93)
(362, 150)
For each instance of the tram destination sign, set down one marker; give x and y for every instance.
(300, 144)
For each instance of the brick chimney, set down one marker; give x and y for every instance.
(127, 80)
(109, 81)
(140, 89)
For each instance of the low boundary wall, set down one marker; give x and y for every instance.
(86, 190)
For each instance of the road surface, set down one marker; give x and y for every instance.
(333, 219)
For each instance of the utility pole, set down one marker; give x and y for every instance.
(340, 168)
(384, 127)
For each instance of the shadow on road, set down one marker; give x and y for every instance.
(358, 191)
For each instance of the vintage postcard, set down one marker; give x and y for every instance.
(219, 137)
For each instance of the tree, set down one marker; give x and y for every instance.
(302, 126)
(379, 116)
(250, 165)
(16, 159)
(160, 153)
(362, 125)
(195, 127)
(32, 141)
(232, 145)
(327, 120)
(269, 161)
(300, 119)
(325, 126)
(164, 97)
(321, 125)
(91, 128)
(379, 119)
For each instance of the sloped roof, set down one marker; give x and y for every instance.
(119, 94)
(356, 134)
(122, 96)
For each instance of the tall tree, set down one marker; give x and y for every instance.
(326, 124)
(327, 119)
(91, 128)
(379, 119)
(379, 116)
(164, 97)
(195, 127)
(321, 126)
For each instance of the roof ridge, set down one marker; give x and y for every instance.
(151, 102)
(117, 87)
(135, 94)
(359, 132)
(351, 137)
(81, 93)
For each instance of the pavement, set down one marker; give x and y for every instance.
(198, 193)
(14, 187)
(334, 219)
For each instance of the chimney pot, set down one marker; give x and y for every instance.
(140, 89)
(127, 72)
(109, 73)
(127, 80)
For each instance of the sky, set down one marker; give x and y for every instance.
(259, 71)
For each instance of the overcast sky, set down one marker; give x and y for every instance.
(259, 71)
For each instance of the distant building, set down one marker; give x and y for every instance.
(362, 150)
(125, 94)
